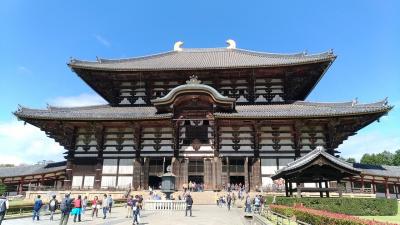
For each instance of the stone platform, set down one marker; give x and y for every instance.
(202, 215)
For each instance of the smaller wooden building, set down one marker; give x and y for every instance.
(318, 166)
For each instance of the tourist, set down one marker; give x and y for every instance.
(262, 202)
(129, 206)
(185, 187)
(136, 210)
(65, 208)
(95, 207)
(4, 205)
(36, 208)
(109, 203)
(228, 201)
(247, 204)
(77, 210)
(104, 204)
(189, 204)
(190, 186)
(233, 199)
(257, 204)
(53, 206)
(84, 205)
(217, 199)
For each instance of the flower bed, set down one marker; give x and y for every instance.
(314, 216)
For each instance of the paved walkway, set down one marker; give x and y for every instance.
(202, 215)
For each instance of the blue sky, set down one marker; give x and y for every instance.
(37, 38)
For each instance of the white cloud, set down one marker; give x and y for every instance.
(23, 70)
(373, 142)
(21, 143)
(79, 100)
(102, 40)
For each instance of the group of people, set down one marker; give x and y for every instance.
(72, 206)
(193, 187)
(134, 205)
(229, 199)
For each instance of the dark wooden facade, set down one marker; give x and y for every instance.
(232, 126)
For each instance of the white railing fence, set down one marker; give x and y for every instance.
(176, 205)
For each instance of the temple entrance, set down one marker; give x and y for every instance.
(236, 180)
(154, 182)
(196, 179)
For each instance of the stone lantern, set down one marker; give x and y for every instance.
(168, 183)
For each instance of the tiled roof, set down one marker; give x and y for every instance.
(101, 112)
(386, 171)
(297, 109)
(203, 58)
(305, 109)
(319, 151)
(32, 169)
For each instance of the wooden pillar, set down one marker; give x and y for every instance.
(286, 188)
(208, 174)
(183, 172)
(373, 185)
(98, 174)
(396, 190)
(291, 189)
(362, 183)
(256, 174)
(387, 192)
(326, 186)
(145, 173)
(217, 163)
(321, 194)
(246, 174)
(339, 188)
(351, 184)
(20, 186)
(175, 168)
(68, 174)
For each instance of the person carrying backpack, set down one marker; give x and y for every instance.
(53, 206)
(65, 208)
(3, 207)
(189, 204)
(36, 208)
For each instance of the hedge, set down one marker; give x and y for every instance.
(350, 206)
(313, 216)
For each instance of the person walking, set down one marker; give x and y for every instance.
(104, 204)
(136, 210)
(95, 207)
(4, 205)
(84, 206)
(228, 201)
(53, 204)
(36, 208)
(65, 207)
(110, 202)
(247, 204)
(129, 206)
(77, 210)
(189, 204)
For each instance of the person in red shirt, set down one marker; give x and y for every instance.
(95, 206)
(77, 208)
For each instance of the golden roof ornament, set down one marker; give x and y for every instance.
(193, 80)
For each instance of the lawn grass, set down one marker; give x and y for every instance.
(395, 219)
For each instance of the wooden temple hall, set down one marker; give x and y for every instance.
(216, 115)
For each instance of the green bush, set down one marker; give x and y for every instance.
(350, 206)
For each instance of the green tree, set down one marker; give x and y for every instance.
(351, 160)
(2, 188)
(383, 158)
(396, 158)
